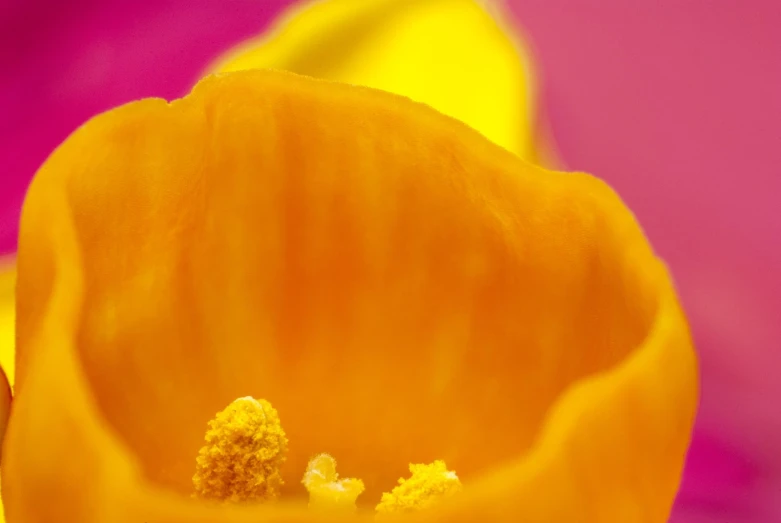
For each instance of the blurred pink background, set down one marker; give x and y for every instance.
(675, 104)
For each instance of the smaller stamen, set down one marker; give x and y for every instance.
(428, 485)
(243, 453)
(326, 490)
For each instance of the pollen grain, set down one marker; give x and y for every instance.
(326, 491)
(428, 485)
(243, 453)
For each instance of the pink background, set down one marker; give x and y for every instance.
(677, 104)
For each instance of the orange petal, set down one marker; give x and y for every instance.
(399, 288)
(463, 58)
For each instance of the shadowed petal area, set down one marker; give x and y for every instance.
(401, 289)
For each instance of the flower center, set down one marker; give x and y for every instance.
(245, 448)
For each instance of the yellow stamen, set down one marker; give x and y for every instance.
(428, 485)
(244, 451)
(326, 490)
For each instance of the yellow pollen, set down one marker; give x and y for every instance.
(243, 454)
(428, 485)
(326, 490)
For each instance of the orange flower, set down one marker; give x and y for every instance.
(399, 288)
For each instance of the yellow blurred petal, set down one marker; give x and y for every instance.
(7, 284)
(450, 54)
(399, 287)
(5, 408)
